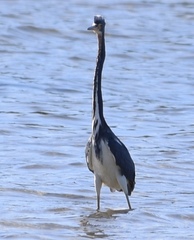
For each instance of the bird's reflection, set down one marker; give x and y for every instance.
(108, 213)
(94, 224)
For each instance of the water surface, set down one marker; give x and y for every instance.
(47, 64)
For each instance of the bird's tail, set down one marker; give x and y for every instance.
(130, 187)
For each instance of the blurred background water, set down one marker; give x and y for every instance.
(47, 65)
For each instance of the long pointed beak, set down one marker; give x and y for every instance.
(92, 27)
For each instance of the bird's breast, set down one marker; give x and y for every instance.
(104, 165)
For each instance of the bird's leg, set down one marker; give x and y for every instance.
(98, 185)
(127, 197)
(98, 202)
(123, 184)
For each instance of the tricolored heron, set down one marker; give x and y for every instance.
(106, 156)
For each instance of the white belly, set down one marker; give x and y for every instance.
(106, 168)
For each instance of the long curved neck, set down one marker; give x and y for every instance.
(98, 117)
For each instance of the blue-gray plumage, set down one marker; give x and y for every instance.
(106, 156)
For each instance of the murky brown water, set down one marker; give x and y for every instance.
(47, 62)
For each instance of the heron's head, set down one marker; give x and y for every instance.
(98, 25)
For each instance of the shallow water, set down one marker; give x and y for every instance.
(47, 62)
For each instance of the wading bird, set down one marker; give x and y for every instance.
(106, 156)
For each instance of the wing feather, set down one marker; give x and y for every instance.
(88, 154)
(123, 160)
